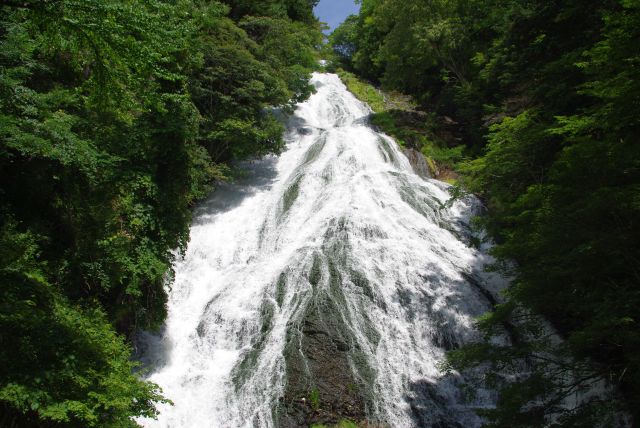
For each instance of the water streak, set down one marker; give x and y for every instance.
(339, 232)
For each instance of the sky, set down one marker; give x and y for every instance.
(333, 12)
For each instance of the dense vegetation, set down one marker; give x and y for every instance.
(546, 99)
(115, 116)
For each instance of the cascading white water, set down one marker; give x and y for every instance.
(333, 257)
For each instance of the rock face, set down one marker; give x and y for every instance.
(327, 376)
(418, 162)
(321, 386)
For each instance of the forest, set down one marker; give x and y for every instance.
(115, 118)
(118, 116)
(540, 101)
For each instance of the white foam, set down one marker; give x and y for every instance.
(244, 238)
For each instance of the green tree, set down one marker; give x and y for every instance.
(115, 118)
(545, 96)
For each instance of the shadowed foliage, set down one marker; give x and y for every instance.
(545, 98)
(115, 117)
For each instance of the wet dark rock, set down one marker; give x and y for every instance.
(428, 407)
(341, 346)
(328, 378)
(318, 365)
(417, 161)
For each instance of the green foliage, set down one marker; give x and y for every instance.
(448, 157)
(545, 95)
(344, 41)
(346, 424)
(314, 399)
(244, 70)
(296, 10)
(115, 118)
(61, 363)
(363, 91)
(562, 194)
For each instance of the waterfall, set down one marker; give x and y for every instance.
(328, 283)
